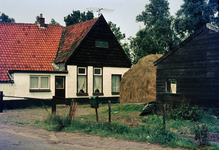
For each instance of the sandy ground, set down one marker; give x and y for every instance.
(19, 122)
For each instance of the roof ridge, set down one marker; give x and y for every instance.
(82, 22)
(15, 23)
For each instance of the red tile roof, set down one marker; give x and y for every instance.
(72, 37)
(27, 47)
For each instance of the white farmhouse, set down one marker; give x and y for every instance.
(43, 60)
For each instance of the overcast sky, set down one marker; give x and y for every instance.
(124, 14)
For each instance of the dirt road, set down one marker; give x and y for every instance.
(23, 137)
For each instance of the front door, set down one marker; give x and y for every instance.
(60, 86)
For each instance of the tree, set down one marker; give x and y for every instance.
(158, 35)
(116, 31)
(77, 16)
(120, 36)
(37, 17)
(54, 22)
(5, 18)
(214, 6)
(192, 15)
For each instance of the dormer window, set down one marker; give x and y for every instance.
(102, 44)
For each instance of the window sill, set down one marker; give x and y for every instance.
(98, 94)
(115, 93)
(82, 94)
(40, 90)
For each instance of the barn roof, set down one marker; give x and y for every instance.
(28, 47)
(199, 31)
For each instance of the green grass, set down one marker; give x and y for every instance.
(150, 130)
(127, 108)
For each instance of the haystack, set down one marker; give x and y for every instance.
(138, 84)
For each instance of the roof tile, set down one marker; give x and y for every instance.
(21, 46)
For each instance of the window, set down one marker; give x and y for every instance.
(39, 83)
(81, 70)
(97, 84)
(116, 84)
(171, 86)
(82, 82)
(60, 83)
(103, 44)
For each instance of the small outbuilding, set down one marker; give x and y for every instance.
(191, 70)
(138, 84)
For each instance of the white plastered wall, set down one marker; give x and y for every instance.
(21, 85)
(71, 80)
(107, 79)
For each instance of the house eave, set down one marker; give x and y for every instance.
(37, 71)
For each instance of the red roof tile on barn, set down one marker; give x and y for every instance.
(72, 37)
(27, 47)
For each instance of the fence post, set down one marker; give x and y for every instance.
(73, 108)
(1, 101)
(164, 115)
(109, 103)
(54, 105)
(96, 114)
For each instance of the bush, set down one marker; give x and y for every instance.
(56, 122)
(182, 110)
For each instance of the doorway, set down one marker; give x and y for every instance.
(60, 86)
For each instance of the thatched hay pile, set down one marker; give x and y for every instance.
(138, 85)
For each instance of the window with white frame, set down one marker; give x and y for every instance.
(82, 79)
(116, 84)
(39, 82)
(97, 83)
(171, 86)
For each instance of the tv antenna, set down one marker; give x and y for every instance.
(99, 10)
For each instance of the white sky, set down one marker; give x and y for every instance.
(124, 14)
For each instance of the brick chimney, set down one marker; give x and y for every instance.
(41, 21)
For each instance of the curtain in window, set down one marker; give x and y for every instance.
(173, 87)
(34, 82)
(97, 84)
(115, 83)
(81, 84)
(44, 82)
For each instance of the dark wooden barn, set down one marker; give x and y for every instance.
(191, 70)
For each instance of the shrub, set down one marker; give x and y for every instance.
(56, 122)
(201, 134)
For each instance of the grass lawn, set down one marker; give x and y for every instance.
(127, 124)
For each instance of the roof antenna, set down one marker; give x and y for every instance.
(99, 10)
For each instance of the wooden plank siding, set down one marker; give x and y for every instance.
(89, 55)
(195, 67)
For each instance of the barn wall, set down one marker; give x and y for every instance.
(89, 55)
(195, 68)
